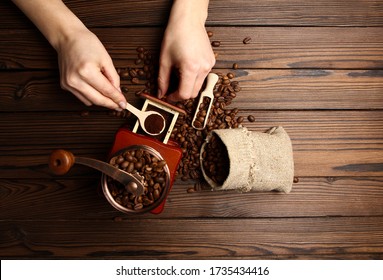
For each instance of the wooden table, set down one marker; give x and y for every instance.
(313, 67)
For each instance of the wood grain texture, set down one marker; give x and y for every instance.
(313, 67)
(65, 199)
(325, 143)
(271, 47)
(193, 238)
(263, 89)
(227, 13)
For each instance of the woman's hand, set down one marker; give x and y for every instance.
(86, 68)
(186, 49)
(87, 71)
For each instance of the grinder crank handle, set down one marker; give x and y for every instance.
(61, 161)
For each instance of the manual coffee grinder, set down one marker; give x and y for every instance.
(160, 145)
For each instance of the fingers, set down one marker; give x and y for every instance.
(111, 74)
(163, 79)
(90, 96)
(94, 86)
(190, 84)
(186, 85)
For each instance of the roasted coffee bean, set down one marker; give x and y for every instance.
(135, 80)
(118, 219)
(133, 73)
(138, 206)
(210, 34)
(251, 118)
(216, 43)
(124, 89)
(84, 113)
(235, 66)
(246, 40)
(230, 75)
(138, 61)
(190, 190)
(124, 74)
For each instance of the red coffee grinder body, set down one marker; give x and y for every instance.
(168, 149)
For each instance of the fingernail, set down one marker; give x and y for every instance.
(122, 104)
(118, 109)
(159, 94)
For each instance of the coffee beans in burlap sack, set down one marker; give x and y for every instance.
(257, 161)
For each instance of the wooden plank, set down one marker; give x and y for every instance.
(325, 143)
(40, 91)
(228, 13)
(261, 90)
(276, 47)
(82, 199)
(193, 238)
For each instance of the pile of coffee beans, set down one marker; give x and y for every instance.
(142, 71)
(216, 163)
(148, 166)
(221, 117)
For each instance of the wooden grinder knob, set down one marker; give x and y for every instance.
(61, 161)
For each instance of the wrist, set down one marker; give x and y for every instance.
(195, 11)
(66, 33)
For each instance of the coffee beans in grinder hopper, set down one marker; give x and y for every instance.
(147, 165)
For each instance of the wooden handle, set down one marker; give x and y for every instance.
(61, 161)
(212, 79)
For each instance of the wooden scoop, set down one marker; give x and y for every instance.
(207, 93)
(152, 122)
(61, 161)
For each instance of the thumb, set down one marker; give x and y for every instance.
(163, 80)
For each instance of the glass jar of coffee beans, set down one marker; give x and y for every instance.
(148, 164)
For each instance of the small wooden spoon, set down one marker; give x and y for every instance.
(212, 79)
(152, 122)
(61, 161)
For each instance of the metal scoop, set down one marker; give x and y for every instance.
(61, 161)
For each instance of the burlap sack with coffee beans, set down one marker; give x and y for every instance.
(258, 161)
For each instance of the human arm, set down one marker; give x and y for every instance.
(86, 69)
(186, 49)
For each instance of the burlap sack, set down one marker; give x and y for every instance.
(258, 161)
